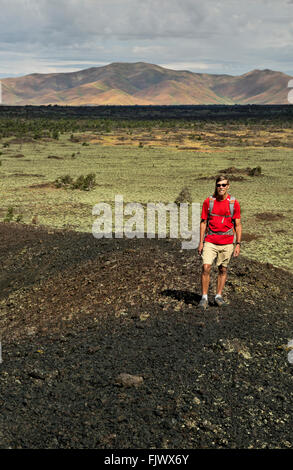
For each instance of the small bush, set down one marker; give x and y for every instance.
(9, 214)
(85, 183)
(55, 134)
(184, 196)
(255, 171)
(63, 181)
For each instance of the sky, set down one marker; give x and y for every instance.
(220, 37)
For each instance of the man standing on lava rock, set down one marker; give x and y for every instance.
(220, 219)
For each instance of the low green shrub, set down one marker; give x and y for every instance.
(9, 214)
(64, 181)
(255, 171)
(85, 183)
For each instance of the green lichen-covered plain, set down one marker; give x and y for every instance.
(153, 164)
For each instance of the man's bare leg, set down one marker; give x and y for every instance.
(222, 276)
(205, 282)
(205, 278)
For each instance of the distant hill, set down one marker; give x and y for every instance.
(145, 84)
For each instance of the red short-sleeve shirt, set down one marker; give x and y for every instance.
(219, 223)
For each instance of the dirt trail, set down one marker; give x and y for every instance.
(76, 312)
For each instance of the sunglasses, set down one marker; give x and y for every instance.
(224, 185)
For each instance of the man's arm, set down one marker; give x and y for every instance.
(238, 230)
(203, 226)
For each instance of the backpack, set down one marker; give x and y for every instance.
(231, 208)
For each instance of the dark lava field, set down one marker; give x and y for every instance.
(77, 312)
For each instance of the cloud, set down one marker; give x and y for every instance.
(67, 20)
(56, 33)
(198, 66)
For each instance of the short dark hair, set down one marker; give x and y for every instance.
(220, 178)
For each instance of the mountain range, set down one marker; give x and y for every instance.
(145, 84)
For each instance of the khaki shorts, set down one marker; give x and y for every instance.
(222, 253)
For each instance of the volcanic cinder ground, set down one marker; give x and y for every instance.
(76, 312)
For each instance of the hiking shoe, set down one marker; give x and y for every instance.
(203, 304)
(220, 302)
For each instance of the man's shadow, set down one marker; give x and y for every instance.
(185, 295)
